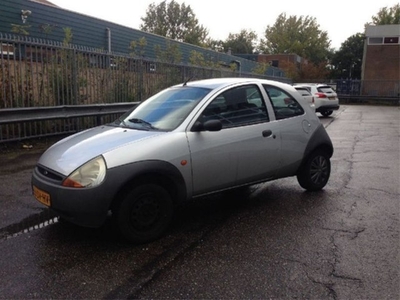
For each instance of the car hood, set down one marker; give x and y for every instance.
(70, 153)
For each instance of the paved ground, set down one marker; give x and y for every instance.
(273, 242)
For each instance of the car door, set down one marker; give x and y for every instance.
(246, 149)
(294, 125)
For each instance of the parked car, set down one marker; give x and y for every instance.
(186, 141)
(306, 94)
(325, 98)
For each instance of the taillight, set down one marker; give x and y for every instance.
(321, 95)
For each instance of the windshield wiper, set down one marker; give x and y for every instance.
(140, 121)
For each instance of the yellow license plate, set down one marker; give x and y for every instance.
(41, 196)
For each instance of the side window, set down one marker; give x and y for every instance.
(237, 107)
(285, 106)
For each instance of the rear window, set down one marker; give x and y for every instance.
(325, 89)
(303, 91)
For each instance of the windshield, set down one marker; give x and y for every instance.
(165, 110)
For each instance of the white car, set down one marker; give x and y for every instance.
(325, 98)
(305, 93)
(186, 141)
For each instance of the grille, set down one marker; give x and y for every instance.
(49, 174)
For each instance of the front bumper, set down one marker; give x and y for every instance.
(86, 207)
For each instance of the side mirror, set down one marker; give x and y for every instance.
(210, 125)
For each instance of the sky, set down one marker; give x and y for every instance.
(340, 19)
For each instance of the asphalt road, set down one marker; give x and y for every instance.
(273, 241)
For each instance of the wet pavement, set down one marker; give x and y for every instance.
(272, 241)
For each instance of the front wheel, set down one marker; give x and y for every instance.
(144, 213)
(326, 113)
(314, 174)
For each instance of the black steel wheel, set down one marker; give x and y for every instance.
(144, 214)
(315, 173)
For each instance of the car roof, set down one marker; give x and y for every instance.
(311, 84)
(216, 83)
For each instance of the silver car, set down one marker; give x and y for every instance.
(186, 141)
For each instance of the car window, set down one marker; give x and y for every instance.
(165, 110)
(237, 107)
(303, 91)
(325, 89)
(285, 106)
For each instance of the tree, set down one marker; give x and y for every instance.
(174, 21)
(241, 43)
(312, 72)
(137, 47)
(299, 35)
(215, 45)
(346, 62)
(261, 68)
(387, 15)
(170, 54)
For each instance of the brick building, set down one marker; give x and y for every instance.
(381, 60)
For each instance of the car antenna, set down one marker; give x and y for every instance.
(189, 79)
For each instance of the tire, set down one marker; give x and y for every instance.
(314, 174)
(144, 213)
(326, 113)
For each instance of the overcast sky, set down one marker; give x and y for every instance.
(340, 18)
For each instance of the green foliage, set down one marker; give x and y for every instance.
(171, 54)
(67, 36)
(299, 35)
(16, 84)
(387, 16)
(347, 61)
(240, 43)
(197, 58)
(47, 29)
(20, 29)
(137, 47)
(65, 81)
(215, 45)
(174, 21)
(261, 68)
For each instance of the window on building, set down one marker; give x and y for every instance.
(274, 63)
(6, 49)
(391, 40)
(375, 41)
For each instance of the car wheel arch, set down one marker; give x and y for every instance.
(161, 173)
(320, 140)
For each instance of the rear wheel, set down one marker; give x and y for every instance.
(314, 174)
(326, 113)
(144, 213)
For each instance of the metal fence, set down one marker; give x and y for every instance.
(47, 88)
(371, 88)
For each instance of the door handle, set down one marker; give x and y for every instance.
(267, 133)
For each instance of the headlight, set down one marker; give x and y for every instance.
(90, 174)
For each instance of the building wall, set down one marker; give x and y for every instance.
(49, 22)
(381, 59)
(276, 59)
(382, 62)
